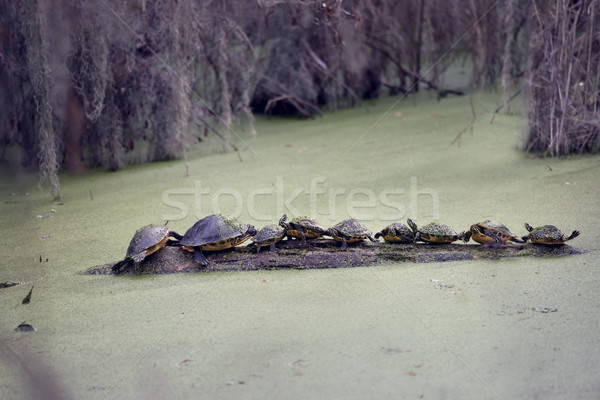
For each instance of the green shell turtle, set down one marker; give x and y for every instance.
(268, 236)
(146, 241)
(491, 232)
(215, 233)
(397, 233)
(302, 228)
(548, 235)
(435, 232)
(350, 231)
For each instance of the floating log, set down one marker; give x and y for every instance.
(325, 253)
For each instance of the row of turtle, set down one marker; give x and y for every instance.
(216, 232)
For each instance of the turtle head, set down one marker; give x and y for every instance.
(466, 236)
(412, 225)
(251, 231)
(528, 227)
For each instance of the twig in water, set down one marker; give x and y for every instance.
(27, 298)
(216, 132)
(469, 126)
(507, 102)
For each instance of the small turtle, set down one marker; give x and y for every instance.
(302, 228)
(397, 233)
(548, 235)
(146, 241)
(435, 232)
(214, 233)
(491, 232)
(268, 236)
(349, 231)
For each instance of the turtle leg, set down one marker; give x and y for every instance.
(139, 256)
(517, 240)
(573, 235)
(303, 237)
(283, 223)
(344, 245)
(120, 265)
(372, 240)
(199, 257)
(257, 249)
(273, 248)
(497, 242)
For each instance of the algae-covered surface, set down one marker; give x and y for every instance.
(507, 328)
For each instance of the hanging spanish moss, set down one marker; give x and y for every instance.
(37, 62)
(89, 69)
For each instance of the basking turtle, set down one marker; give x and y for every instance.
(268, 236)
(491, 232)
(435, 232)
(214, 233)
(302, 228)
(547, 234)
(397, 233)
(349, 231)
(146, 241)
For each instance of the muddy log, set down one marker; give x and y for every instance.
(325, 253)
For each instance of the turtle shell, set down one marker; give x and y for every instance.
(548, 235)
(435, 232)
(216, 232)
(146, 241)
(397, 233)
(269, 234)
(490, 231)
(310, 227)
(351, 230)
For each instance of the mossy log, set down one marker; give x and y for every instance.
(325, 253)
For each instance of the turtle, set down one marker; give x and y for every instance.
(547, 234)
(491, 232)
(349, 231)
(146, 241)
(435, 232)
(214, 233)
(397, 233)
(268, 236)
(302, 228)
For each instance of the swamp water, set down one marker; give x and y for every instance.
(515, 328)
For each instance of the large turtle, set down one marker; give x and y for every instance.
(268, 236)
(548, 235)
(214, 233)
(397, 233)
(146, 241)
(349, 231)
(435, 232)
(302, 228)
(492, 232)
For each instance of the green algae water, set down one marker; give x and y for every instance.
(510, 328)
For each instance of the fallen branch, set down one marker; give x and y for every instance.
(325, 253)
